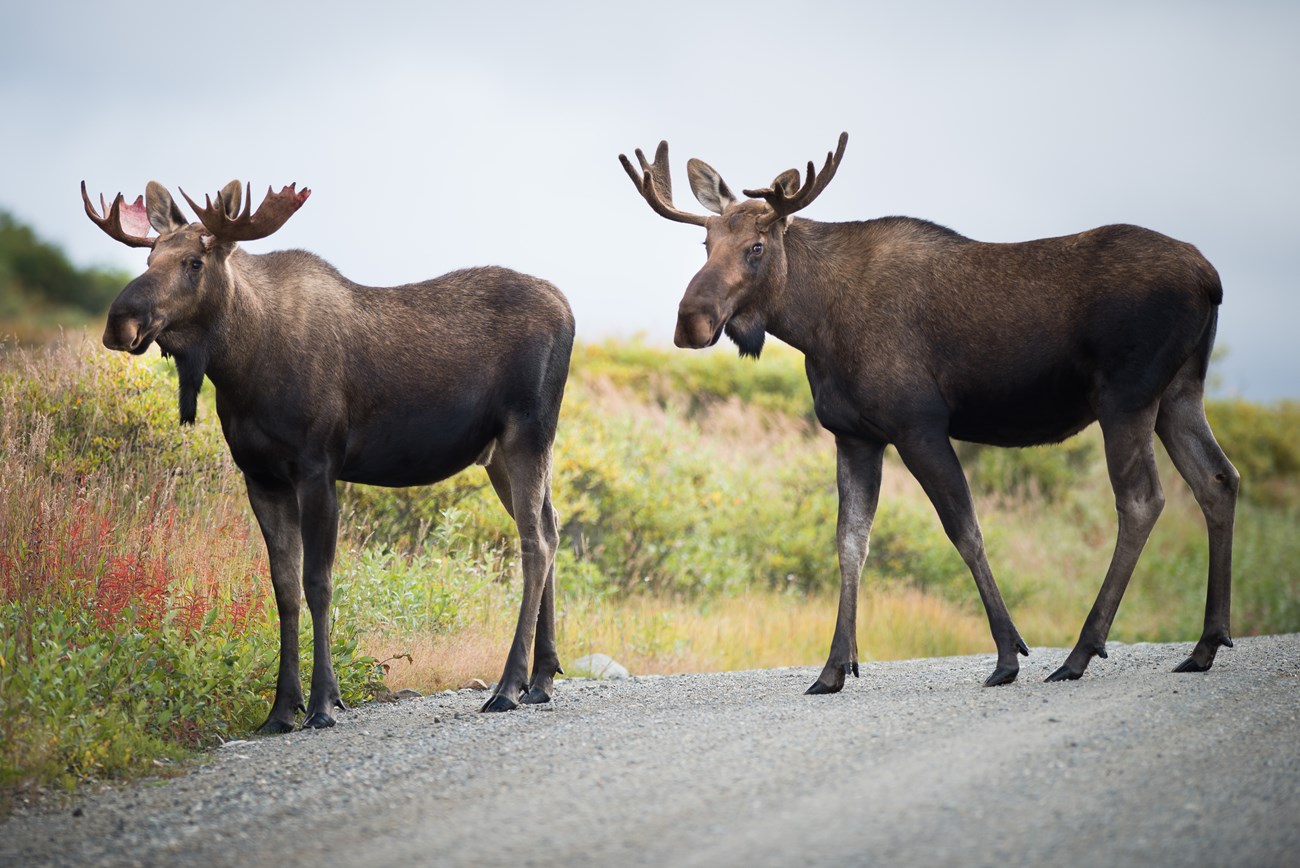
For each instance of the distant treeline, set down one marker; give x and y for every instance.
(37, 280)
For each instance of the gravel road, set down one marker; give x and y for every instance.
(913, 764)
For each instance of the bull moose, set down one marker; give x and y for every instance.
(319, 379)
(913, 334)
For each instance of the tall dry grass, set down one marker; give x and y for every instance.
(650, 635)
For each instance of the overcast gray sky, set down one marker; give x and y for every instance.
(436, 136)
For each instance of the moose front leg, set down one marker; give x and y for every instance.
(318, 503)
(276, 507)
(858, 465)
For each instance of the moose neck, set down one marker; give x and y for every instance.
(229, 338)
(797, 313)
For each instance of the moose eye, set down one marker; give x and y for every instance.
(194, 264)
(757, 249)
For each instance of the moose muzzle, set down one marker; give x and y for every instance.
(696, 331)
(703, 311)
(128, 334)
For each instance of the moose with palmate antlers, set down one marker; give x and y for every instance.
(320, 379)
(913, 334)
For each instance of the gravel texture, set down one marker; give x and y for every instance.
(913, 764)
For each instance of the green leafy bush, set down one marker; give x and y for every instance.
(41, 292)
(435, 588)
(33, 271)
(136, 616)
(1037, 471)
(694, 382)
(93, 411)
(1262, 443)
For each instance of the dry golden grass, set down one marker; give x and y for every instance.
(1050, 570)
(650, 635)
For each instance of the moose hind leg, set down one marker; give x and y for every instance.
(527, 463)
(858, 477)
(546, 661)
(276, 509)
(1131, 463)
(933, 462)
(1214, 482)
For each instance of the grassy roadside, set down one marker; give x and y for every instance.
(698, 509)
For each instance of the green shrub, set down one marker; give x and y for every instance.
(1266, 565)
(1037, 471)
(41, 293)
(95, 411)
(695, 382)
(1262, 443)
(33, 271)
(83, 698)
(637, 500)
(438, 587)
(136, 616)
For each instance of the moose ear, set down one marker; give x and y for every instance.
(788, 181)
(708, 186)
(232, 197)
(164, 216)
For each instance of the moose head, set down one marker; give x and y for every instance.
(188, 282)
(186, 277)
(746, 270)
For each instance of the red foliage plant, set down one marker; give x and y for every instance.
(80, 558)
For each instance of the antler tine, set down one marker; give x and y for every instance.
(814, 183)
(111, 221)
(659, 171)
(655, 185)
(248, 200)
(274, 211)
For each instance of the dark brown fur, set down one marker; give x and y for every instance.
(913, 334)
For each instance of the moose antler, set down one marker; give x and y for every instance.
(274, 211)
(656, 187)
(783, 204)
(120, 221)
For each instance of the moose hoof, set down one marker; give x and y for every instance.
(818, 688)
(1203, 654)
(1065, 673)
(1192, 665)
(275, 726)
(1002, 675)
(319, 720)
(499, 702)
(536, 695)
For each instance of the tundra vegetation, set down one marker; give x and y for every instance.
(696, 496)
